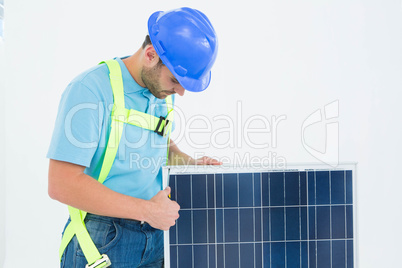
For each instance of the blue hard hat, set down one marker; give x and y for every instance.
(187, 44)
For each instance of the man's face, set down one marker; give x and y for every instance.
(160, 81)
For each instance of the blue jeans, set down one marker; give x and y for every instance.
(128, 243)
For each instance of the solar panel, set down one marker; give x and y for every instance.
(239, 217)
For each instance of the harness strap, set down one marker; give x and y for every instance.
(160, 125)
(119, 116)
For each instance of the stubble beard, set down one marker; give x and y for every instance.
(150, 78)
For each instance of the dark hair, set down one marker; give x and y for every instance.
(147, 41)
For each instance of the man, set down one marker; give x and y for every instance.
(103, 136)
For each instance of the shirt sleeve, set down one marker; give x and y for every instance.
(78, 125)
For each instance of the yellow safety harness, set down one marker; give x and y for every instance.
(119, 116)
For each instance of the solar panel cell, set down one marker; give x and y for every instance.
(232, 255)
(246, 225)
(292, 188)
(247, 255)
(245, 190)
(311, 193)
(230, 192)
(303, 188)
(338, 222)
(292, 223)
(200, 226)
(277, 224)
(278, 251)
(349, 253)
(200, 256)
(338, 253)
(337, 187)
(322, 187)
(277, 192)
(323, 222)
(323, 254)
(293, 254)
(199, 191)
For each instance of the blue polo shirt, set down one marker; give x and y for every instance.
(83, 125)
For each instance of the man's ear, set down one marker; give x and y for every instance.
(150, 56)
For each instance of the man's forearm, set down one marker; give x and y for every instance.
(177, 157)
(70, 185)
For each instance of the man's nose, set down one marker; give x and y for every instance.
(179, 90)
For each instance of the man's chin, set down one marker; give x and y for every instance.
(165, 94)
(162, 96)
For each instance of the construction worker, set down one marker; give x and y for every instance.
(111, 138)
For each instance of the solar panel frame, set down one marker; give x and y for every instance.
(320, 245)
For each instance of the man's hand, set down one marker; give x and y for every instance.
(163, 212)
(206, 160)
(177, 157)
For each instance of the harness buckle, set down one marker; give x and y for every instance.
(101, 263)
(162, 131)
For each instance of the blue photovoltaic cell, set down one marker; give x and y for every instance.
(323, 222)
(257, 189)
(311, 223)
(277, 224)
(232, 255)
(323, 254)
(218, 225)
(277, 193)
(264, 189)
(219, 256)
(184, 227)
(183, 194)
(303, 223)
(338, 253)
(311, 188)
(200, 225)
(301, 219)
(211, 226)
(304, 254)
(258, 255)
(292, 188)
(187, 251)
(231, 225)
(247, 255)
(337, 187)
(266, 224)
(230, 190)
(278, 252)
(246, 193)
(211, 255)
(246, 225)
(199, 195)
(293, 254)
(292, 223)
(200, 256)
(338, 222)
(322, 187)
(312, 256)
(258, 224)
(211, 190)
(218, 190)
(303, 188)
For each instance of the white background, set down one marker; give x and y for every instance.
(276, 58)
